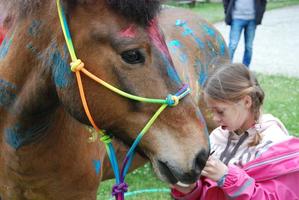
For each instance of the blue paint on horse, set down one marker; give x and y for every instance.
(61, 72)
(97, 166)
(189, 31)
(34, 28)
(16, 136)
(180, 22)
(6, 43)
(222, 44)
(211, 32)
(32, 48)
(63, 76)
(172, 72)
(202, 77)
(203, 125)
(7, 96)
(183, 58)
(174, 45)
(208, 30)
(212, 51)
(200, 43)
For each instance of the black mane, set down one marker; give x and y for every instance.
(140, 11)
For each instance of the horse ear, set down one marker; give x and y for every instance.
(139, 11)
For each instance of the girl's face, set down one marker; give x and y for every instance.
(232, 116)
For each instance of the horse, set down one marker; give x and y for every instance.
(45, 153)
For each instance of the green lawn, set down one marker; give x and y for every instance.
(282, 100)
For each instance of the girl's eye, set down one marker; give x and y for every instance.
(219, 112)
(133, 56)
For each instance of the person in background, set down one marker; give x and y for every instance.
(254, 157)
(243, 15)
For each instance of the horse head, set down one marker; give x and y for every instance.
(120, 42)
(127, 50)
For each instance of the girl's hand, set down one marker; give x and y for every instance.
(214, 169)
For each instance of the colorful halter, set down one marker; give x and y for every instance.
(77, 66)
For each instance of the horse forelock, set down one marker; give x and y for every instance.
(139, 11)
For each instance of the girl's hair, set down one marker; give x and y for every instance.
(232, 82)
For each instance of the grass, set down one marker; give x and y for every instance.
(282, 100)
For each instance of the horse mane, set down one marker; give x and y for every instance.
(139, 11)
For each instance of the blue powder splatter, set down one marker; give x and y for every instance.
(34, 28)
(97, 166)
(222, 44)
(208, 30)
(61, 72)
(16, 136)
(7, 96)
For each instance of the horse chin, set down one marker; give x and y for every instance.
(172, 174)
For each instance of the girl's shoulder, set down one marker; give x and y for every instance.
(268, 121)
(271, 129)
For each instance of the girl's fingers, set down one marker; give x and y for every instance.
(204, 173)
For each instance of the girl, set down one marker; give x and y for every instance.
(253, 155)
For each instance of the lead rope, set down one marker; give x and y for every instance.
(77, 66)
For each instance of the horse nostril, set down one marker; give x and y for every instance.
(200, 160)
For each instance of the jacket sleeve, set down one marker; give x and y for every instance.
(239, 186)
(193, 195)
(225, 5)
(264, 3)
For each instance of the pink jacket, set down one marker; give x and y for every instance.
(274, 175)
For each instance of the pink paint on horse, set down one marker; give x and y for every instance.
(129, 32)
(158, 40)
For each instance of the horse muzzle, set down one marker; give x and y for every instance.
(173, 173)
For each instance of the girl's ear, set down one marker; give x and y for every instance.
(247, 101)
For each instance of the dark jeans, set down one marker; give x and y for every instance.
(237, 27)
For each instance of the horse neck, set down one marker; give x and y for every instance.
(30, 101)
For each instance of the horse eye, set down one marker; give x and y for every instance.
(132, 56)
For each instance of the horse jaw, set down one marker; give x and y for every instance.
(175, 163)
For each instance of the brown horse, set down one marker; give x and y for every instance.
(44, 150)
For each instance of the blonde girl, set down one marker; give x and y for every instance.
(246, 146)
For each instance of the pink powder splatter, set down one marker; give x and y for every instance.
(129, 32)
(158, 39)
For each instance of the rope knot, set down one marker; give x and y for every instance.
(77, 65)
(119, 189)
(106, 139)
(172, 100)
